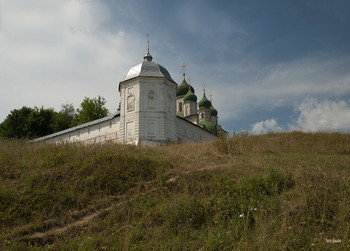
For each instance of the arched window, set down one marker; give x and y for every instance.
(188, 111)
(151, 100)
(180, 106)
(130, 106)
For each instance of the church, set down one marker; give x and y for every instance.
(154, 110)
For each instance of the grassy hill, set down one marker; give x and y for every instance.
(285, 191)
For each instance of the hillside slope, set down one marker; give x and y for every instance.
(274, 191)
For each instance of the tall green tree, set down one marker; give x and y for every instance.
(36, 122)
(28, 123)
(68, 111)
(65, 118)
(92, 109)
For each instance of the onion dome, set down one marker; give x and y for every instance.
(190, 96)
(182, 89)
(214, 112)
(204, 102)
(209, 126)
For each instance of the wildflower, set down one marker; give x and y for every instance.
(190, 202)
(176, 211)
(179, 220)
(189, 219)
(241, 215)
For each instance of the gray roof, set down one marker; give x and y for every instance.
(148, 69)
(72, 129)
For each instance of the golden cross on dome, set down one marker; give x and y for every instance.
(189, 80)
(203, 87)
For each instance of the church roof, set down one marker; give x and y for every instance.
(148, 69)
(182, 89)
(209, 125)
(214, 112)
(190, 96)
(204, 102)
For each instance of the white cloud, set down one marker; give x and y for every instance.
(56, 52)
(265, 126)
(245, 90)
(326, 115)
(313, 115)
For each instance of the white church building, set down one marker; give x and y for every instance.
(153, 110)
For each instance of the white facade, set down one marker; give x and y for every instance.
(98, 131)
(147, 114)
(147, 111)
(189, 132)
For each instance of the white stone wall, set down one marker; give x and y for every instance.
(204, 114)
(188, 132)
(97, 133)
(129, 111)
(190, 108)
(179, 105)
(107, 131)
(147, 111)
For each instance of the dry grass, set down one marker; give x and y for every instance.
(268, 192)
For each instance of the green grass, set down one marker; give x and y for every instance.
(285, 191)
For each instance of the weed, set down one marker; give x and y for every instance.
(267, 192)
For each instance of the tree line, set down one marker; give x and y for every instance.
(36, 122)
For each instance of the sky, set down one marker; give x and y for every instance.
(273, 65)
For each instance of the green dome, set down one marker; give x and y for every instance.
(214, 112)
(182, 89)
(190, 96)
(204, 103)
(209, 126)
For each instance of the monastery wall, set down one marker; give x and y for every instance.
(147, 115)
(188, 132)
(96, 133)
